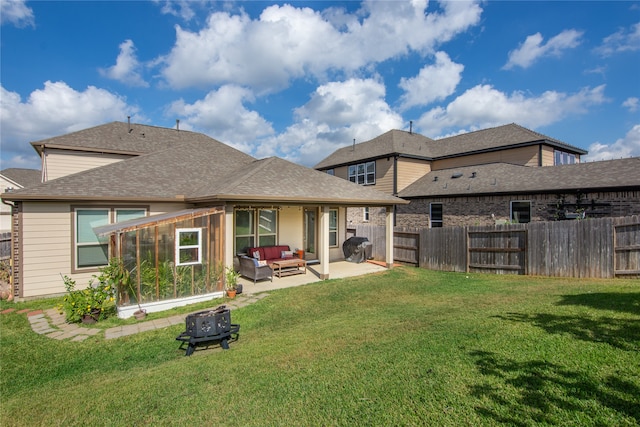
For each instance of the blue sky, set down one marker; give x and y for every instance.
(300, 79)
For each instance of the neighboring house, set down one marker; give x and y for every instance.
(500, 192)
(178, 199)
(396, 159)
(14, 179)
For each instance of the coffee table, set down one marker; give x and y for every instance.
(289, 267)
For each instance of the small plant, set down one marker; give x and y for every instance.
(117, 275)
(97, 299)
(231, 276)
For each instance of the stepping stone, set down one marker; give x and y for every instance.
(7, 311)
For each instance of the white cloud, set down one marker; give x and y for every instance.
(127, 68)
(533, 49)
(222, 115)
(16, 12)
(286, 42)
(631, 104)
(54, 110)
(621, 41)
(434, 82)
(484, 106)
(336, 114)
(629, 146)
(178, 8)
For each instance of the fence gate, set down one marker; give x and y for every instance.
(626, 245)
(406, 247)
(503, 251)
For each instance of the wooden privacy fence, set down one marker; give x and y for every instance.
(600, 247)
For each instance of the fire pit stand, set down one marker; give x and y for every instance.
(207, 327)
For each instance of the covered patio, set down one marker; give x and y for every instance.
(339, 270)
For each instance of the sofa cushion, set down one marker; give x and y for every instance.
(271, 252)
(251, 253)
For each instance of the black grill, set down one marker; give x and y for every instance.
(357, 249)
(208, 327)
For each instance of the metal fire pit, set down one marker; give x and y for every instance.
(207, 327)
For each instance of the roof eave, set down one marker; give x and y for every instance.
(48, 198)
(39, 147)
(529, 191)
(369, 159)
(512, 146)
(295, 200)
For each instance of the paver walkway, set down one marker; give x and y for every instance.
(51, 323)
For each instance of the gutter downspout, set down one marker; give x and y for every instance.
(395, 185)
(11, 261)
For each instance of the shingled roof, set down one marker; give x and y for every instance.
(407, 144)
(193, 168)
(505, 178)
(23, 177)
(277, 180)
(120, 138)
(493, 138)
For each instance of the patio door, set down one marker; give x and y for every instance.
(310, 232)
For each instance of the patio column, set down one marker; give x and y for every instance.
(323, 243)
(389, 239)
(228, 236)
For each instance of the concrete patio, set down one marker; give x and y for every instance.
(337, 270)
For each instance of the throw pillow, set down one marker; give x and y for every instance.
(262, 263)
(256, 254)
(286, 254)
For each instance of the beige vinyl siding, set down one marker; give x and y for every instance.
(47, 246)
(547, 156)
(384, 175)
(58, 163)
(342, 172)
(410, 170)
(525, 156)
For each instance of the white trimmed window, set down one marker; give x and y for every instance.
(563, 158)
(255, 226)
(435, 215)
(363, 173)
(333, 227)
(365, 214)
(188, 246)
(91, 250)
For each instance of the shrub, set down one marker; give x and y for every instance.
(97, 297)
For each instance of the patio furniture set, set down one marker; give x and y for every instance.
(267, 261)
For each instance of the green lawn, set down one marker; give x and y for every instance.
(405, 347)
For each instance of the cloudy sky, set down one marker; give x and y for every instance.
(301, 79)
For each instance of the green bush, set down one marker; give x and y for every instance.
(95, 298)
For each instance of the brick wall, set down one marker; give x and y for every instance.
(489, 210)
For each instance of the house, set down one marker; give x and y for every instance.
(14, 179)
(170, 203)
(492, 193)
(396, 159)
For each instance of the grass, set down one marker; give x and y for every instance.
(406, 347)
